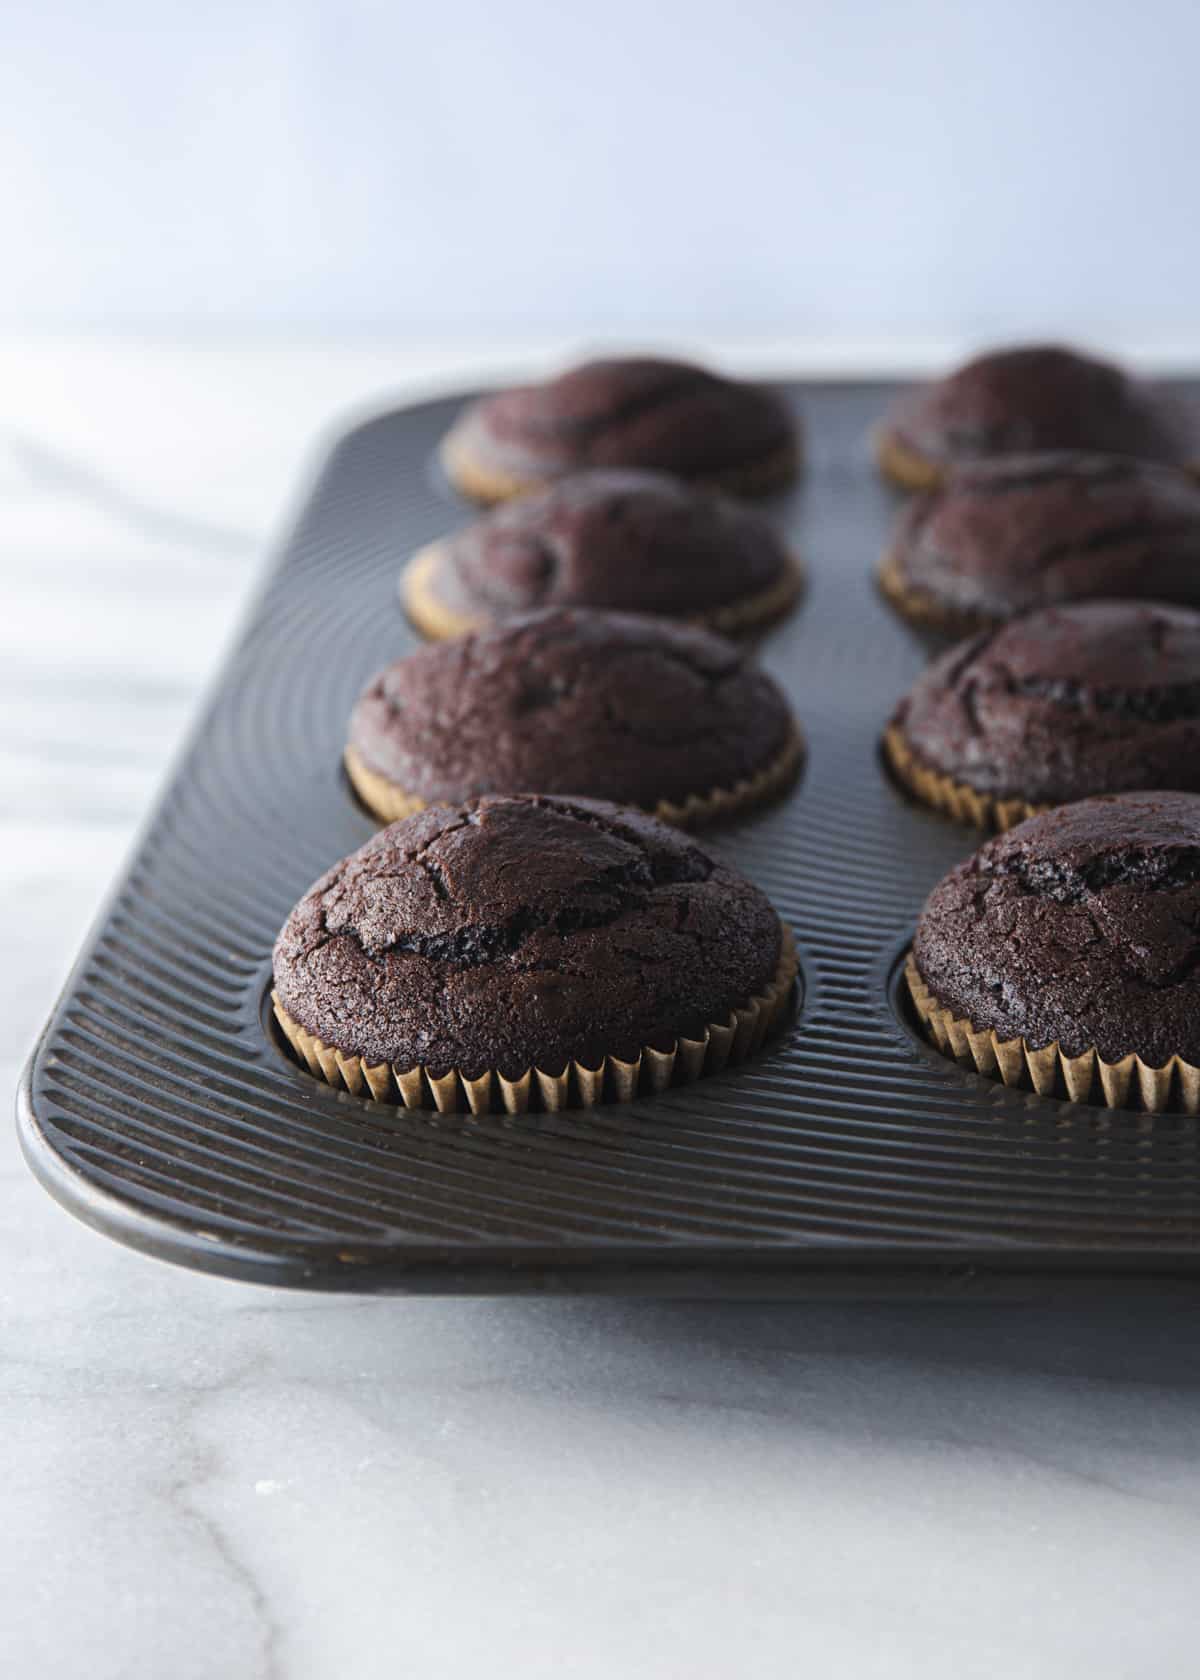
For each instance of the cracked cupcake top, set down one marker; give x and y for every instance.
(1002, 537)
(527, 931)
(636, 542)
(626, 412)
(1097, 697)
(607, 704)
(1081, 926)
(1042, 397)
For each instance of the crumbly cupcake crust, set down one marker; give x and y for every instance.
(628, 412)
(1004, 537)
(1080, 928)
(517, 932)
(611, 705)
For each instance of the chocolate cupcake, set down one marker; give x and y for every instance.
(610, 705)
(1066, 954)
(631, 542)
(1004, 537)
(1099, 697)
(1028, 400)
(631, 412)
(524, 951)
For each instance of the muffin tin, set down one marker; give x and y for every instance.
(848, 1158)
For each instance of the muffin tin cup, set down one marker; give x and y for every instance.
(954, 799)
(390, 802)
(613, 1079)
(437, 621)
(1086, 1078)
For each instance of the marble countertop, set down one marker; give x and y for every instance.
(209, 1481)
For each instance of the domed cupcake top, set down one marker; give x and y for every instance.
(1097, 697)
(634, 542)
(627, 412)
(510, 932)
(1035, 398)
(1002, 537)
(610, 705)
(1080, 926)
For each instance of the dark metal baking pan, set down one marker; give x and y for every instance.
(847, 1159)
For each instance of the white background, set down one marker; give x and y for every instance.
(858, 174)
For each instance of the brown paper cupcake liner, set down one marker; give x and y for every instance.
(954, 799)
(910, 470)
(384, 799)
(489, 485)
(432, 617)
(735, 618)
(1049, 1070)
(904, 466)
(615, 1079)
(922, 610)
(485, 485)
(438, 622)
(390, 802)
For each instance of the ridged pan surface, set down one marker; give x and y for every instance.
(848, 1157)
